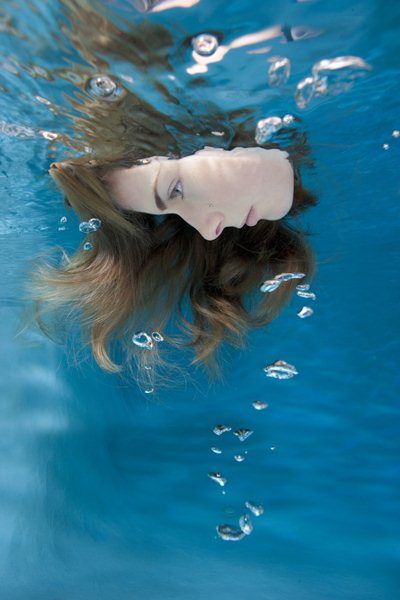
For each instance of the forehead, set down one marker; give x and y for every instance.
(133, 188)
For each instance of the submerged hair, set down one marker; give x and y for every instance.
(139, 273)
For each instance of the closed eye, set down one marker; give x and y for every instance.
(176, 191)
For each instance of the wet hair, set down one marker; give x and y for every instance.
(139, 274)
(142, 274)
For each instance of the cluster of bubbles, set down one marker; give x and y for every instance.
(330, 76)
(205, 44)
(395, 134)
(144, 340)
(266, 128)
(233, 533)
(103, 87)
(271, 285)
(90, 226)
(62, 222)
(225, 531)
(302, 290)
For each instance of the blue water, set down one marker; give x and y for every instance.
(104, 493)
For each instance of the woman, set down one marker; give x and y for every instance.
(190, 210)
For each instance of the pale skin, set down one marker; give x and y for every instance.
(210, 189)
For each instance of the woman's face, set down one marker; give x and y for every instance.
(211, 189)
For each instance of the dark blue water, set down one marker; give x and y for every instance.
(104, 492)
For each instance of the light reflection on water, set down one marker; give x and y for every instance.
(104, 492)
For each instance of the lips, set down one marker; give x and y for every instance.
(219, 228)
(252, 217)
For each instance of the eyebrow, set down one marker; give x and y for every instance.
(157, 199)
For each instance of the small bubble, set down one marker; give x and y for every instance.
(87, 246)
(266, 128)
(63, 220)
(48, 135)
(385, 146)
(279, 70)
(289, 276)
(272, 448)
(218, 478)
(103, 87)
(95, 224)
(309, 295)
(143, 340)
(303, 287)
(280, 370)
(306, 311)
(205, 44)
(395, 133)
(239, 457)
(305, 91)
(258, 405)
(149, 391)
(216, 450)
(243, 433)
(256, 509)
(287, 120)
(84, 227)
(220, 429)
(230, 533)
(157, 336)
(270, 285)
(245, 524)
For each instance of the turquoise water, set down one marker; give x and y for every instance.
(104, 493)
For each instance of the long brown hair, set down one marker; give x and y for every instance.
(138, 273)
(143, 275)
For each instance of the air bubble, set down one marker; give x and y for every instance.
(216, 450)
(279, 70)
(230, 533)
(157, 336)
(270, 285)
(89, 226)
(289, 276)
(245, 524)
(305, 91)
(258, 405)
(95, 224)
(266, 128)
(308, 295)
(218, 478)
(256, 509)
(143, 340)
(287, 120)
(280, 370)
(220, 429)
(239, 457)
(335, 75)
(87, 246)
(102, 86)
(306, 311)
(205, 44)
(243, 433)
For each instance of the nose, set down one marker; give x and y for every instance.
(209, 225)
